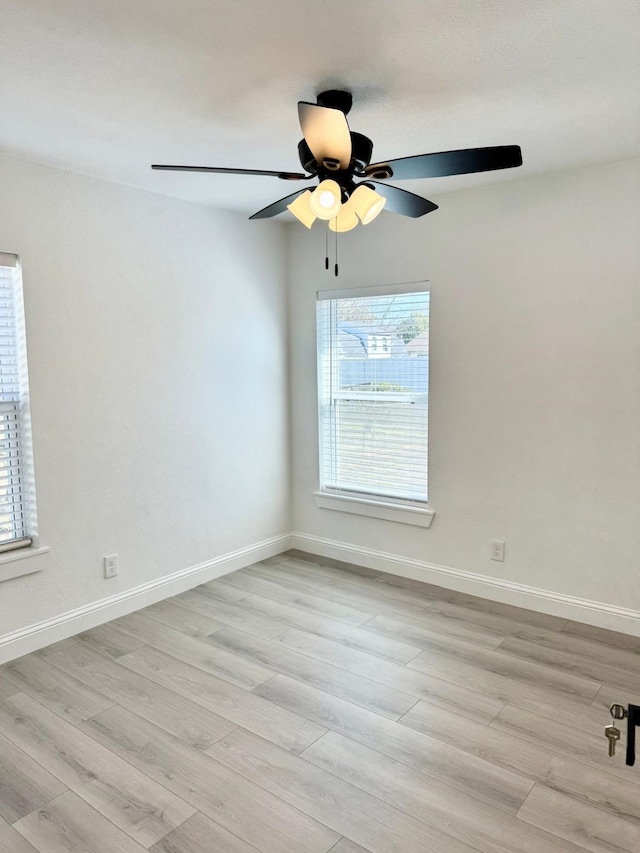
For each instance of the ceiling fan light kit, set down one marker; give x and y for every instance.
(367, 203)
(325, 201)
(346, 220)
(301, 209)
(337, 156)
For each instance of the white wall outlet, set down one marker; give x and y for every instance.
(497, 550)
(111, 566)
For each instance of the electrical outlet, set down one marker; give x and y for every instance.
(497, 550)
(111, 566)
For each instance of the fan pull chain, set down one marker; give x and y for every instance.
(336, 266)
(326, 248)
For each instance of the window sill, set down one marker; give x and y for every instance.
(375, 509)
(14, 564)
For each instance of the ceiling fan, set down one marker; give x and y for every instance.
(337, 156)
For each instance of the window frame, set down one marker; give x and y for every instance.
(27, 545)
(399, 509)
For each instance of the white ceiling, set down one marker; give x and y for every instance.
(107, 87)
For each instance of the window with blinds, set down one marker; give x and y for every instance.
(14, 412)
(373, 383)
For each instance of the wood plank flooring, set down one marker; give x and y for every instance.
(306, 706)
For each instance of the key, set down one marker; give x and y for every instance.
(618, 712)
(612, 733)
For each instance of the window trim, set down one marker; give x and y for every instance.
(382, 508)
(372, 290)
(14, 565)
(14, 551)
(368, 504)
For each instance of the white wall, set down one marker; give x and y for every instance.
(157, 355)
(535, 379)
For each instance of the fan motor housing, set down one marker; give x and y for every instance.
(362, 150)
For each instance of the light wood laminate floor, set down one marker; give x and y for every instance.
(300, 706)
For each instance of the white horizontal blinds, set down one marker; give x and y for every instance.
(373, 379)
(13, 488)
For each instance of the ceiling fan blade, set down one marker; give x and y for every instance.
(403, 202)
(277, 207)
(285, 176)
(326, 132)
(446, 163)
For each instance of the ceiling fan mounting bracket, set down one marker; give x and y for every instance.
(292, 176)
(379, 172)
(336, 99)
(331, 164)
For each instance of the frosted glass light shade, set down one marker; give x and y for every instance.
(367, 203)
(346, 218)
(325, 201)
(301, 209)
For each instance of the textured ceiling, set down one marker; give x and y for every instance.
(107, 87)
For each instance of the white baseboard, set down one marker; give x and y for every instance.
(541, 600)
(42, 634)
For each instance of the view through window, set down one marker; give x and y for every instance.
(373, 383)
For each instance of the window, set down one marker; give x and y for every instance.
(16, 505)
(373, 383)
